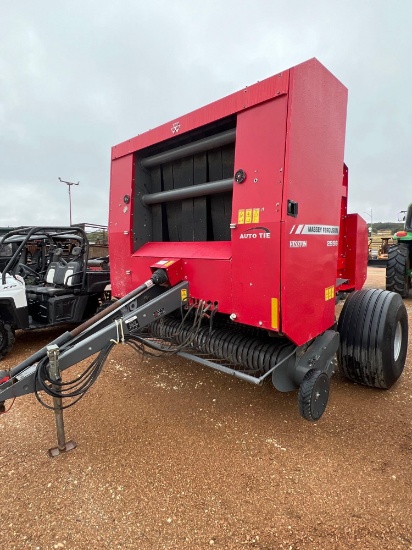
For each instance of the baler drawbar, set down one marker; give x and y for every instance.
(239, 212)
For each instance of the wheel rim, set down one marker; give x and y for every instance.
(397, 341)
(320, 396)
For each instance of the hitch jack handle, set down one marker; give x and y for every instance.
(53, 352)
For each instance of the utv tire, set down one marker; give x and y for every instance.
(373, 328)
(398, 264)
(6, 338)
(313, 394)
(105, 305)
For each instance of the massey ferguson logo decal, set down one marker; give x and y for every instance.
(314, 230)
(256, 233)
(175, 128)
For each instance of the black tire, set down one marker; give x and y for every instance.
(6, 338)
(313, 395)
(397, 267)
(373, 328)
(105, 305)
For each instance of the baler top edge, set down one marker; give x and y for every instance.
(258, 92)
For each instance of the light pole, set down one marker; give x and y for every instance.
(370, 215)
(69, 184)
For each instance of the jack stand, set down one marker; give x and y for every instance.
(53, 352)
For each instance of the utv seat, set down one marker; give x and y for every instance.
(61, 276)
(74, 269)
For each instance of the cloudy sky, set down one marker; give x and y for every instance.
(78, 77)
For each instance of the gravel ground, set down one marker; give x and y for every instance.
(172, 455)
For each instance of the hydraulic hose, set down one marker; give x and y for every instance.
(158, 277)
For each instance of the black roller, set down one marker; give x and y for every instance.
(234, 346)
(193, 148)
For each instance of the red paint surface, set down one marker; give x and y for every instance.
(313, 178)
(260, 152)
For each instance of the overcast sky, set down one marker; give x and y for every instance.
(78, 77)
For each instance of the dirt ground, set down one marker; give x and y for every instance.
(171, 455)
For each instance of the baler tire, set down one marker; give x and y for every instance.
(397, 267)
(6, 338)
(373, 328)
(313, 395)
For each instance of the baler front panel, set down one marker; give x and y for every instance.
(256, 216)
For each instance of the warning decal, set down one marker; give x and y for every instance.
(256, 212)
(275, 313)
(248, 215)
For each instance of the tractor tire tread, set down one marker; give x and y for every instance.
(396, 270)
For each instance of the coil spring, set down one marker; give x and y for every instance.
(251, 354)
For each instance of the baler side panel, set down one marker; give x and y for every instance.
(353, 245)
(260, 152)
(120, 224)
(313, 180)
(343, 215)
(355, 253)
